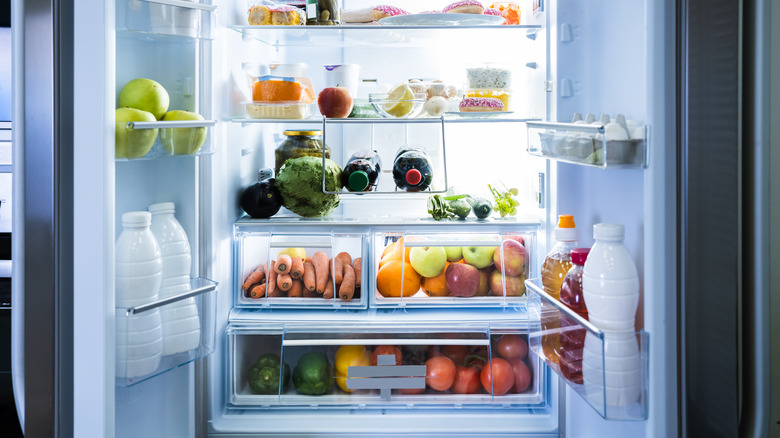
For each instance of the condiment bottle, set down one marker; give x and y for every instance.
(572, 341)
(362, 171)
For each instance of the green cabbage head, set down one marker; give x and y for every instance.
(300, 183)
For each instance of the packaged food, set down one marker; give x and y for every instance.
(502, 94)
(282, 89)
(300, 144)
(280, 110)
(273, 14)
(509, 10)
(488, 76)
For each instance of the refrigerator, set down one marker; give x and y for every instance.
(635, 60)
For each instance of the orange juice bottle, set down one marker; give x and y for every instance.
(554, 269)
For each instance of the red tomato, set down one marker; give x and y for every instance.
(522, 375)
(512, 346)
(440, 373)
(466, 380)
(386, 349)
(497, 376)
(410, 391)
(457, 353)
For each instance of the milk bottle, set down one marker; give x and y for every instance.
(138, 276)
(180, 321)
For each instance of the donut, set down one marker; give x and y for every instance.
(492, 11)
(383, 11)
(465, 7)
(367, 15)
(469, 104)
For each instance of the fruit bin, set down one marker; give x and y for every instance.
(255, 249)
(167, 17)
(587, 144)
(452, 268)
(175, 138)
(187, 326)
(381, 365)
(608, 369)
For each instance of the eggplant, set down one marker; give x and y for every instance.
(262, 199)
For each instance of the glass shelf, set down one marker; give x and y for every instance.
(176, 18)
(608, 369)
(499, 118)
(174, 138)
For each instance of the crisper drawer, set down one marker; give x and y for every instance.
(364, 366)
(452, 269)
(292, 270)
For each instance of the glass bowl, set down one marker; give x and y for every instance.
(397, 109)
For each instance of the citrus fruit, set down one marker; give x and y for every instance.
(399, 101)
(396, 278)
(294, 252)
(436, 286)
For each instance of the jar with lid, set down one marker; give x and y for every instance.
(300, 144)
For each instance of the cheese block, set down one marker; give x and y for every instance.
(268, 89)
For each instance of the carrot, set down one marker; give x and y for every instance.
(308, 275)
(310, 293)
(328, 292)
(275, 292)
(283, 264)
(254, 277)
(296, 290)
(356, 268)
(296, 268)
(336, 268)
(271, 275)
(284, 281)
(347, 289)
(320, 261)
(345, 258)
(257, 291)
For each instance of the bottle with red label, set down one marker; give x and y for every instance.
(572, 341)
(361, 172)
(412, 169)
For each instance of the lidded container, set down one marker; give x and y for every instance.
(300, 144)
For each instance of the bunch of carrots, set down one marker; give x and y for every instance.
(315, 276)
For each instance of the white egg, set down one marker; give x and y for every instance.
(613, 131)
(435, 106)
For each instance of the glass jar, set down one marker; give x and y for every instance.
(300, 144)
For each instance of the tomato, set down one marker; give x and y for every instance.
(512, 346)
(522, 375)
(497, 376)
(386, 349)
(349, 356)
(457, 353)
(477, 358)
(466, 380)
(410, 391)
(440, 373)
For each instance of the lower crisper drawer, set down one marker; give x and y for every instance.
(379, 367)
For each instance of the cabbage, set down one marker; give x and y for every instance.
(300, 183)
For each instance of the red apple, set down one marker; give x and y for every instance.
(484, 282)
(513, 259)
(515, 286)
(462, 279)
(334, 102)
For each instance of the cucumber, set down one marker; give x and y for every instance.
(461, 208)
(481, 206)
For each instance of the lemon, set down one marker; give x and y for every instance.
(399, 101)
(294, 252)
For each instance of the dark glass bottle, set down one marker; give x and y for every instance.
(361, 172)
(412, 169)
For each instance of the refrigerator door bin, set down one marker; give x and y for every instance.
(608, 369)
(347, 365)
(172, 138)
(157, 337)
(452, 268)
(588, 144)
(255, 250)
(178, 18)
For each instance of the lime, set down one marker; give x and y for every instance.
(399, 101)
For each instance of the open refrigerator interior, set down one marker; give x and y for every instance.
(373, 347)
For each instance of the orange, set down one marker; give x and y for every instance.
(391, 282)
(399, 247)
(388, 249)
(436, 286)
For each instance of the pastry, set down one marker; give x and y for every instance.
(280, 15)
(465, 7)
(367, 15)
(481, 104)
(491, 11)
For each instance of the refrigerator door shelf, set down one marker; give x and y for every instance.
(608, 369)
(174, 138)
(255, 249)
(177, 18)
(370, 366)
(587, 144)
(136, 337)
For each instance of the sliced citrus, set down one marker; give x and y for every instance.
(399, 101)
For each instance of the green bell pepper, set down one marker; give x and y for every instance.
(313, 375)
(264, 376)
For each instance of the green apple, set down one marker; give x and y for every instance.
(479, 256)
(133, 143)
(428, 261)
(146, 95)
(182, 141)
(454, 253)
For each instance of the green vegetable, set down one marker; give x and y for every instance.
(439, 209)
(300, 184)
(506, 204)
(264, 376)
(313, 374)
(482, 207)
(461, 208)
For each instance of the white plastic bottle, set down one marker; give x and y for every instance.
(180, 320)
(137, 281)
(611, 370)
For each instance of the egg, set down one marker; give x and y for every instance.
(435, 106)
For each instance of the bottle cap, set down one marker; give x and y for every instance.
(265, 173)
(608, 232)
(137, 219)
(358, 181)
(162, 207)
(413, 177)
(579, 256)
(566, 230)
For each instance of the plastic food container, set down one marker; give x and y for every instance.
(502, 94)
(488, 76)
(278, 110)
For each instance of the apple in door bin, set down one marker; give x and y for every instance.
(334, 102)
(462, 280)
(512, 260)
(146, 95)
(515, 286)
(479, 256)
(428, 261)
(182, 141)
(133, 143)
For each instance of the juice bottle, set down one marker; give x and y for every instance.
(412, 169)
(554, 269)
(572, 341)
(361, 172)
